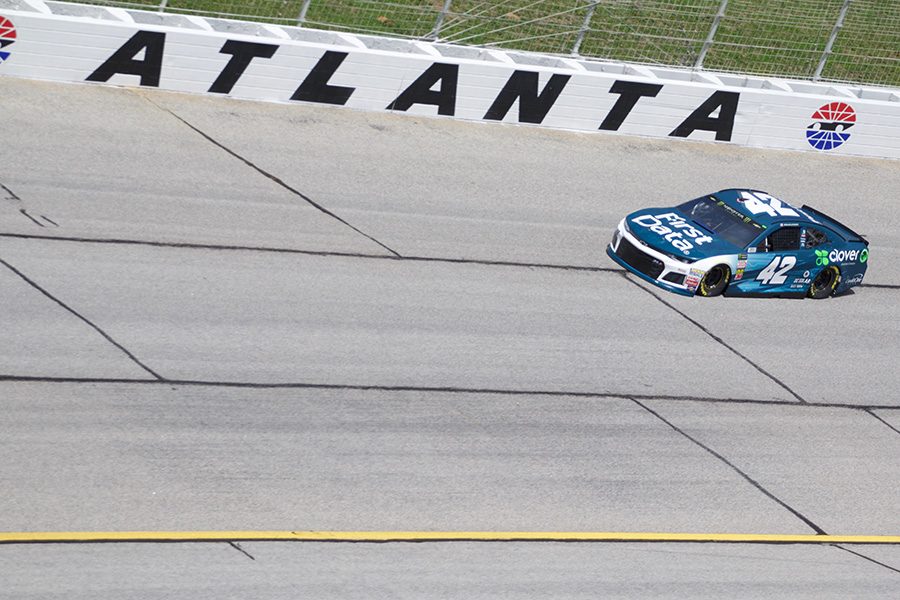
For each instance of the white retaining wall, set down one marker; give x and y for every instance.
(76, 43)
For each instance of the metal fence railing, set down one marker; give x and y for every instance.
(835, 40)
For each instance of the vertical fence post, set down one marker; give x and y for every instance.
(303, 8)
(585, 25)
(828, 46)
(440, 21)
(711, 35)
(162, 5)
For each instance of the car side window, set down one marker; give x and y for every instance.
(783, 239)
(814, 238)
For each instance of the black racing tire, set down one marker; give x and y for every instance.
(825, 283)
(714, 281)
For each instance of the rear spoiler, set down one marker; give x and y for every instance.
(854, 237)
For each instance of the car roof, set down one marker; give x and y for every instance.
(733, 198)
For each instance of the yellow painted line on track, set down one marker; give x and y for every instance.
(23, 537)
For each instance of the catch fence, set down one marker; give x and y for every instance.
(855, 41)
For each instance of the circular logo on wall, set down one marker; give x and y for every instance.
(7, 37)
(829, 130)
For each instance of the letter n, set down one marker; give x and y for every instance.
(522, 86)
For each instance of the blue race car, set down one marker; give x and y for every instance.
(740, 242)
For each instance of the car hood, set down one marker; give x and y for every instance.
(672, 232)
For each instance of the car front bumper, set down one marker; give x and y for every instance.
(653, 266)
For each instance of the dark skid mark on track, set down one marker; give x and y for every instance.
(82, 318)
(718, 339)
(12, 194)
(272, 177)
(193, 246)
(16, 198)
(424, 389)
(724, 460)
(238, 547)
(874, 414)
(871, 560)
(32, 219)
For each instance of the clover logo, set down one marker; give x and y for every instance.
(821, 258)
(864, 256)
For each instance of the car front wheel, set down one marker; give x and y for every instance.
(825, 283)
(714, 281)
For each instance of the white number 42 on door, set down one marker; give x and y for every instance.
(775, 272)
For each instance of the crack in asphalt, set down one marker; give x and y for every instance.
(82, 318)
(722, 342)
(868, 558)
(872, 412)
(272, 177)
(324, 253)
(287, 385)
(736, 469)
(339, 254)
(240, 549)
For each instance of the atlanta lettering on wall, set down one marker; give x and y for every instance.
(142, 56)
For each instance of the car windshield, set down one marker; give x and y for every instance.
(722, 220)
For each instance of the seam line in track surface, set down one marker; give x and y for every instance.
(733, 467)
(84, 319)
(271, 177)
(721, 342)
(338, 254)
(287, 385)
(868, 558)
(394, 257)
(874, 414)
(881, 286)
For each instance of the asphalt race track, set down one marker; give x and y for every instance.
(221, 316)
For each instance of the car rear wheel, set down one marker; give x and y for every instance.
(715, 281)
(825, 283)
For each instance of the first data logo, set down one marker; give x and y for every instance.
(7, 37)
(829, 130)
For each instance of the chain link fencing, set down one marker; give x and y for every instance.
(856, 41)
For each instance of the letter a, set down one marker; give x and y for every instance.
(420, 92)
(123, 61)
(727, 102)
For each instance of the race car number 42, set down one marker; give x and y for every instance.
(775, 272)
